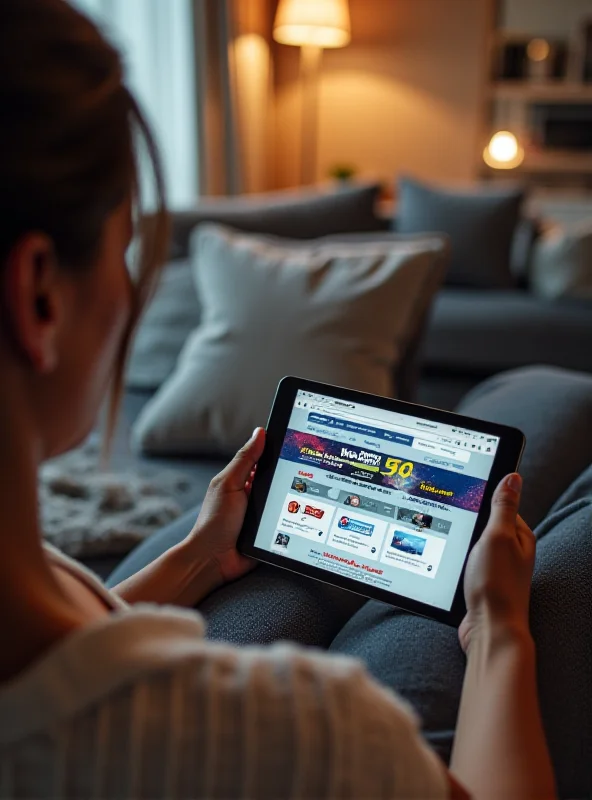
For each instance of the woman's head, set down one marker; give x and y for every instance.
(68, 190)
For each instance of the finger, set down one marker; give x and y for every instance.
(505, 502)
(522, 527)
(526, 537)
(250, 479)
(237, 473)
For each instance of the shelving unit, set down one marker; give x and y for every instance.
(556, 91)
(543, 162)
(509, 106)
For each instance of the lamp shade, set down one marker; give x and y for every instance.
(322, 23)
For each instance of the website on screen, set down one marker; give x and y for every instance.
(387, 499)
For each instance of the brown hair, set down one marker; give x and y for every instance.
(69, 139)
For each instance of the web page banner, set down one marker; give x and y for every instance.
(370, 466)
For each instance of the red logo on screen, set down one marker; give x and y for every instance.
(293, 507)
(318, 513)
(305, 474)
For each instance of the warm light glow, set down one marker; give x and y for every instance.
(538, 50)
(503, 146)
(321, 23)
(503, 151)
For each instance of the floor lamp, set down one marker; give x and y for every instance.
(311, 25)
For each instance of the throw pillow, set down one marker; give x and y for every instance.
(165, 325)
(481, 225)
(302, 214)
(339, 313)
(562, 264)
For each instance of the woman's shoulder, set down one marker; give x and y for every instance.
(215, 718)
(150, 639)
(270, 717)
(171, 641)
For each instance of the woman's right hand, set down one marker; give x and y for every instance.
(499, 570)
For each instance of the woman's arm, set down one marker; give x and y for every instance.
(182, 576)
(207, 558)
(500, 749)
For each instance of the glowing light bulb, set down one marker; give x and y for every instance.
(538, 50)
(503, 146)
(503, 151)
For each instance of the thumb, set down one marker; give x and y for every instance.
(506, 501)
(238, 472)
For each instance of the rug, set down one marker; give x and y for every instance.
(87, 511)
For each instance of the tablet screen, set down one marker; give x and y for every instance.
(384, 498)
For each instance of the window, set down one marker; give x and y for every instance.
(156, 39)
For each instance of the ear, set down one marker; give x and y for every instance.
(33, 303)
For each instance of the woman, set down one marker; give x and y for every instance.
(100, 699)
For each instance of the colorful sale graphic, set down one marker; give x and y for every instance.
(419, 480)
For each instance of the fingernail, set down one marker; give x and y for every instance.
(255, 432)
(514, 482)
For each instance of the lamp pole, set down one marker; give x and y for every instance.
(311, 25)
(310, 62)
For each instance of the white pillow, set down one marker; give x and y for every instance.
(562, 262)
(329, 311)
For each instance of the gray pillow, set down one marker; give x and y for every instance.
(339, 313)
(562, 263)
(481, 225)
(168, 320)
(300, 214)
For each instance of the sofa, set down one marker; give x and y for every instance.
(472, 333)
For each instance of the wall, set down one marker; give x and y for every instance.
(406, 95)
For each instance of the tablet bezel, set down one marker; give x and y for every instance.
(507, 460)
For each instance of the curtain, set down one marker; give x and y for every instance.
(220, 164)
(157, 39)
(201, 70)
(235, 95)
(253, 70)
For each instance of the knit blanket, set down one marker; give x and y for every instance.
(88, 511)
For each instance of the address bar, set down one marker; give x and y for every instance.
(427, 442)
(431, 437)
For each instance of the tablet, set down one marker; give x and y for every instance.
(377, 496)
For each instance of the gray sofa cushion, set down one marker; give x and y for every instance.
(481, 225)
(489, 331)
(165, 325)
(302, 214)
(524, 243)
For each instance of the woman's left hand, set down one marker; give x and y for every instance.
(223, 511)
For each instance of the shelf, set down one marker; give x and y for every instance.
(559, 161)
(553, 91)
(550, 162)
